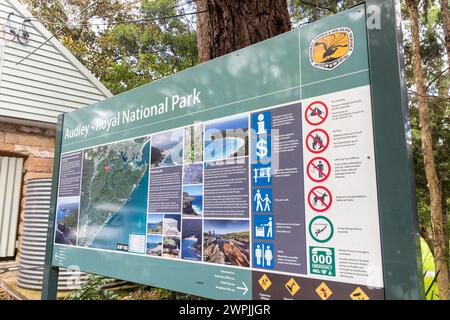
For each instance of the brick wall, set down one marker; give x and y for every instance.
(36, 146)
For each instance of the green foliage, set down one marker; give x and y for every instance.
(164, 294)
(429, 271)
(93, 290)
(133, 45)
(306, 11)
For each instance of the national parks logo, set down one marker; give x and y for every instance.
(331, 48)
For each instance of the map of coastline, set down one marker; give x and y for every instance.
(111, 174)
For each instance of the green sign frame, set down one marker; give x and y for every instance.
(394, 168)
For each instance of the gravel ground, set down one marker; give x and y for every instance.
(4, 295)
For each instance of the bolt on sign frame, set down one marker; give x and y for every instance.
(308, 82)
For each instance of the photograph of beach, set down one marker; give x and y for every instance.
(154, 245)
(193, 144)
(226, 139)
(191, 246)
(226, 242)
(172, 225)
(193, 200)
(171, 247)
(167, 148)
(193, 173)
(154, 223)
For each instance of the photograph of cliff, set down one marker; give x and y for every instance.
(172, 225)
(167, 148)
(67, 220)
(193, 200)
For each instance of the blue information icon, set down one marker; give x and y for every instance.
(261, 138)
(263, 227)
(262, 200)
(263, 255)
(261, 123)
(261, 148)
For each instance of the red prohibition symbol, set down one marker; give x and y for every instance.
(320, 199)
(317, 141)
(318, 169)
(316, 113)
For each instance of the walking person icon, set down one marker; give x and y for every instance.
(267, 203)
(259, 200)
(268, 255)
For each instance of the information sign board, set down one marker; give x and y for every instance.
(252, 176)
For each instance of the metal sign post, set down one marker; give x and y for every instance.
(51, 272)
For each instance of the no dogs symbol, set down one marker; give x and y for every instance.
(320, 199)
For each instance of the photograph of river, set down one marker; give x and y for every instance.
(226, 139)
(191, 247)
(167, 148)
(226, 242)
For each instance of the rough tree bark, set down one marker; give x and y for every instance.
(446, 25)
(428, 157)
(443, 84)
(350, 3)
(225, 26)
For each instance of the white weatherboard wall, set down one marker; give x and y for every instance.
(51, 81)
(10, 184)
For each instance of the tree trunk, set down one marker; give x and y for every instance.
(351, 3)
(428, 157)
(203, 27)
(443, 91)
(229, 25)
(446, 26)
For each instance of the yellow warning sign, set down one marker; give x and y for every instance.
(292, 286)
(264, 282)
(324, 291)
(359, 294)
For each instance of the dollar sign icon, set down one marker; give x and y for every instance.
(261, 147)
